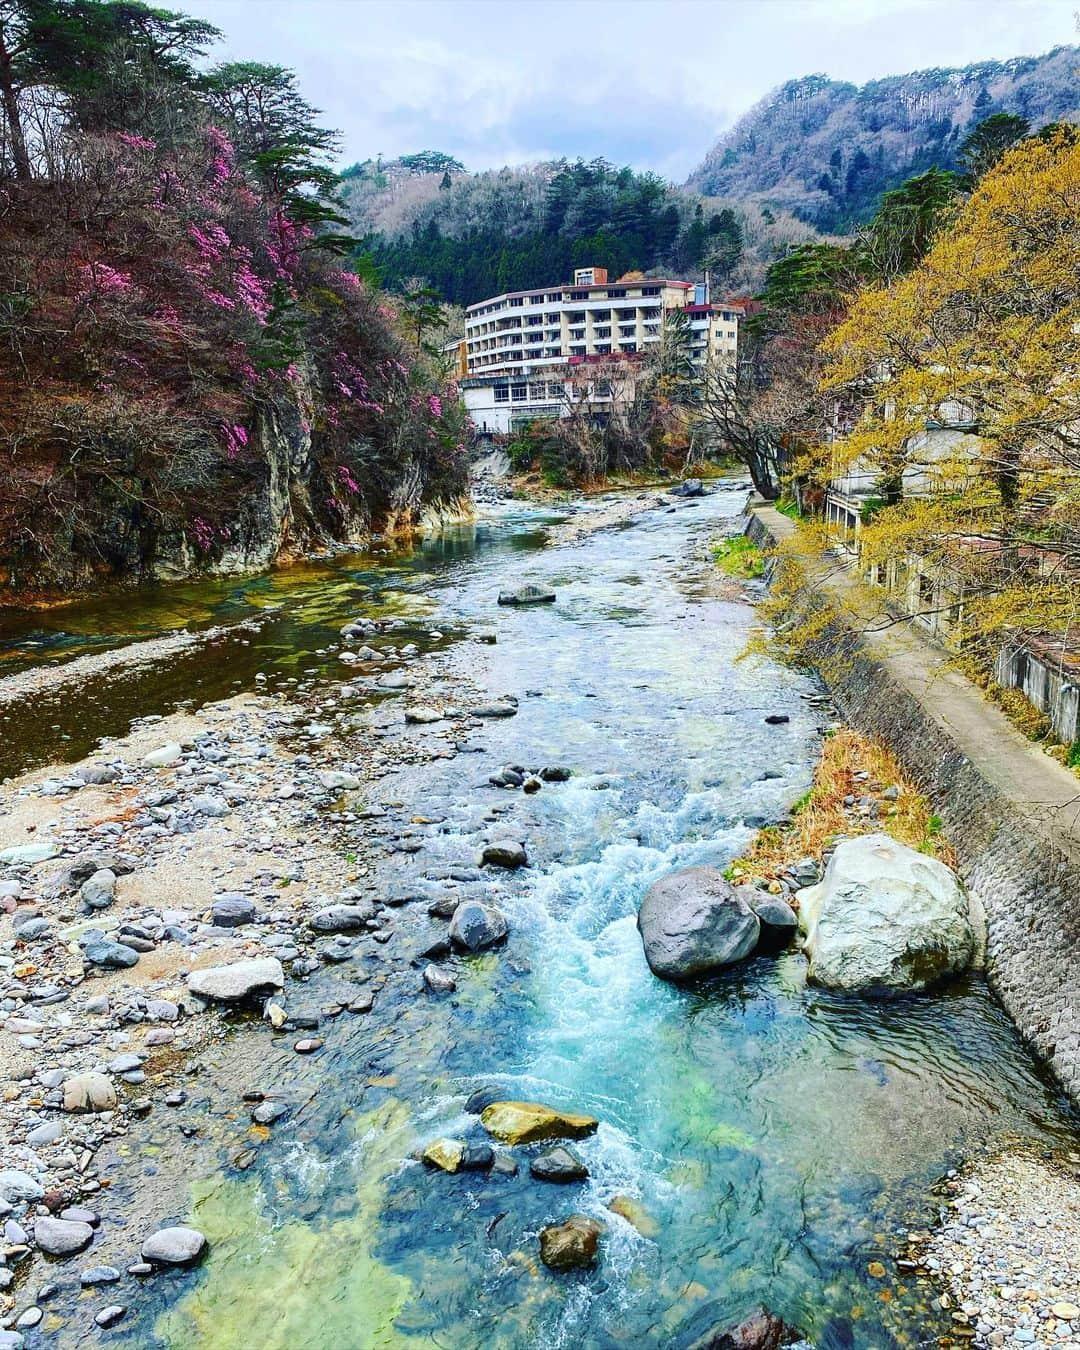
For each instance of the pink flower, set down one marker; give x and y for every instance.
(434, 405)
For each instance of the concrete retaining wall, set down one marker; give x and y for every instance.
(1027, 882)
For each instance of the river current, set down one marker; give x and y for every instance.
(775, 1142)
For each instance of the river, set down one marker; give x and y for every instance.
(776, 1141)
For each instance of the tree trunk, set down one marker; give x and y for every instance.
(10, 99)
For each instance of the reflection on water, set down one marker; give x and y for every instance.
(773, 1141)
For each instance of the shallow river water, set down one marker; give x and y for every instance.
(779, 1141)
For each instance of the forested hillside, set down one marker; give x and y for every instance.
(826, 150)
(472, 235)
(195, 377)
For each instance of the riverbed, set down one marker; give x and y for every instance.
(773, 1144)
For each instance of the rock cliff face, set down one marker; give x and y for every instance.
(288, 508)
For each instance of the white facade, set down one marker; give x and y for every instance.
(521, 346)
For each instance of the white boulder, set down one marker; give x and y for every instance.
(885, 920)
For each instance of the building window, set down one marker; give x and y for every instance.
(650, 290)
(502, 393)
(579, 295)
(519, 392)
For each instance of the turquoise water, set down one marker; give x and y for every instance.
(776, 1140)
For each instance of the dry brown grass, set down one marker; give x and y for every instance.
(821, 815)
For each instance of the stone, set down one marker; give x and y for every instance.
(438, 981)
(109, 1316)
(760, 1331)
(495, 710)
(571, 1245)
(531, 1122)
(508, 853)
(89, 1092)
(558, 1164)
(267, 1113)
(232, 911)
(445, 1154)
(690, 487)
(777, 719)
(111, 955)
(477, 1158)
(334, 780)
(475, 926)
(96, 1275)
(99, 890)
(530, 594)
(420, 715)
(238, 981)
(342, 918)
(554, 773)
(779, 922)
(96, 773)
(885, 920)
(47, 1133)
(307, 1045)
(19, 1187)
(693, 922)
(62, 1237)
(177, 1246)
(163, 756)
(41, 851)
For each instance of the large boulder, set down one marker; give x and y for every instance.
(530, 1122)
(691, 487)
(762, 1330)
(885, 920)
(693, 922)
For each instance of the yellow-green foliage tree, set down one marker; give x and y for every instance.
(984, 333)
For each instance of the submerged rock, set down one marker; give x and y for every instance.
(237, 981)
(885, 920)
(694, 922)
(762, 1330)
(571, 1245)
(530, 594)
(531, 1122)
(475, 926)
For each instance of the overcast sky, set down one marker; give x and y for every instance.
(645, 82)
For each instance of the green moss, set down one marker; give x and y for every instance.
(738, 557)
(256, 1287)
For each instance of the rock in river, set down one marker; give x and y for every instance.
(342, 918)
(239, 980)
(178, 1246)
(445, 1154)
(779, 922)
(558, 1164)
(508, 853)
(760, 1331)
(531, 1122)
(885, 920)
(475, 926)
(527, 595)
(693, 922)
(571, 1245)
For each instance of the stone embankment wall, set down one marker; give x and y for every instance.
(1019, 859)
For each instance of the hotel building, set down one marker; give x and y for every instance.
(522, 347)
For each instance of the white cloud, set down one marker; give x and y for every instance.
(649, 82)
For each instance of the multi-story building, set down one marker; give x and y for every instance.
(521, 347)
